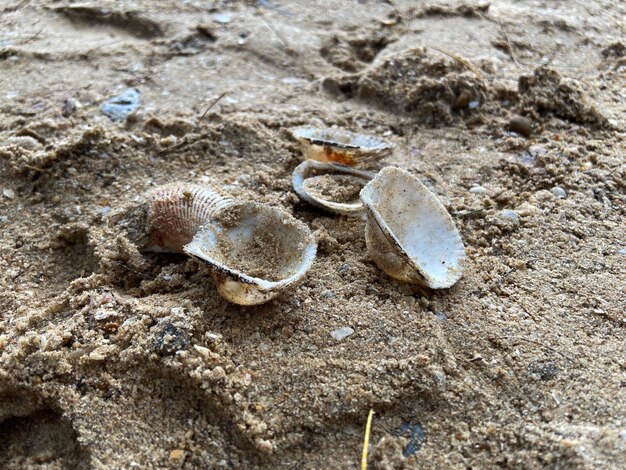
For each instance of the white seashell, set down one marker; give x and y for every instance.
(253, 250)
(309, 173)
(409, 233)
(340, 146)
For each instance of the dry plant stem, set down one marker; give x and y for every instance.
(366, 439)
(461, 61)
(185, 141)
(290, 50)
(213, 103)
(538, 343)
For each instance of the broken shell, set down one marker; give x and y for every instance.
(329, 186)
(253, 250)
(409, 233)
(340, 146)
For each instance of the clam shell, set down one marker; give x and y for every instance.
(409, 233)
(309, 172)
(177, 211)
(253, 250)
(341, 146)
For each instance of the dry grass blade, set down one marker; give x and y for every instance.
(366, 439)
(213, 103)
(461, 61)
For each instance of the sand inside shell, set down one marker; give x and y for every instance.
(342, 189)
(248, 242)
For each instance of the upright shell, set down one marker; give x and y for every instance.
(253, 250)
(341, 146)
(409, 233)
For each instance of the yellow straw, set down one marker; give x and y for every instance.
(366, 441)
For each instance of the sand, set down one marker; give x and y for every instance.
(112, 358)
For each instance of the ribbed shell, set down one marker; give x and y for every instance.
(177, 212)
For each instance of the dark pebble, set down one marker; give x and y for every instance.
(464, 99)
(169, 339)
(415, 435)
(521, 125)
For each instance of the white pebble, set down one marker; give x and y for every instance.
(222, 18)
(9, 193)
(342, 333)
(478, 190)
(559, 192)
(509, 214)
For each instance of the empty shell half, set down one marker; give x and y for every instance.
(341, 146)
(409, 233)
(253, 250)
(332, 187)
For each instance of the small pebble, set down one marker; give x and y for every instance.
(464, 99)
(68, 108)
(222, 18)
(521, 125)
(478, 190)
(559, 192)
(4, 218)
(509, 214)
(24, 141)
(121, 106)
(342, 333)
(9, 193)
(473, 104)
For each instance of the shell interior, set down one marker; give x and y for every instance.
(329, 186)
(417, 229)
(255, 244)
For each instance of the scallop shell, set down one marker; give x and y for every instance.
(409, 233)
(310, 171)
(253, 250)
(341, 146)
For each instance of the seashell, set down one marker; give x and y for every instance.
(253, 250)
(409, 233)
(340, 146)
(311, 178)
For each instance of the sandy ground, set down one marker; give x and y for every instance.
(114, 359)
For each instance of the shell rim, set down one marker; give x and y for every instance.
(382, 145)
(264, 285)
(298, 177)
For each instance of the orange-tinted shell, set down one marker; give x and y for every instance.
(341, 146)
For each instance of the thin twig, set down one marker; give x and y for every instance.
(185, 141)
(213, 103)
(461, 60)
(538, 343)
(288, 48)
